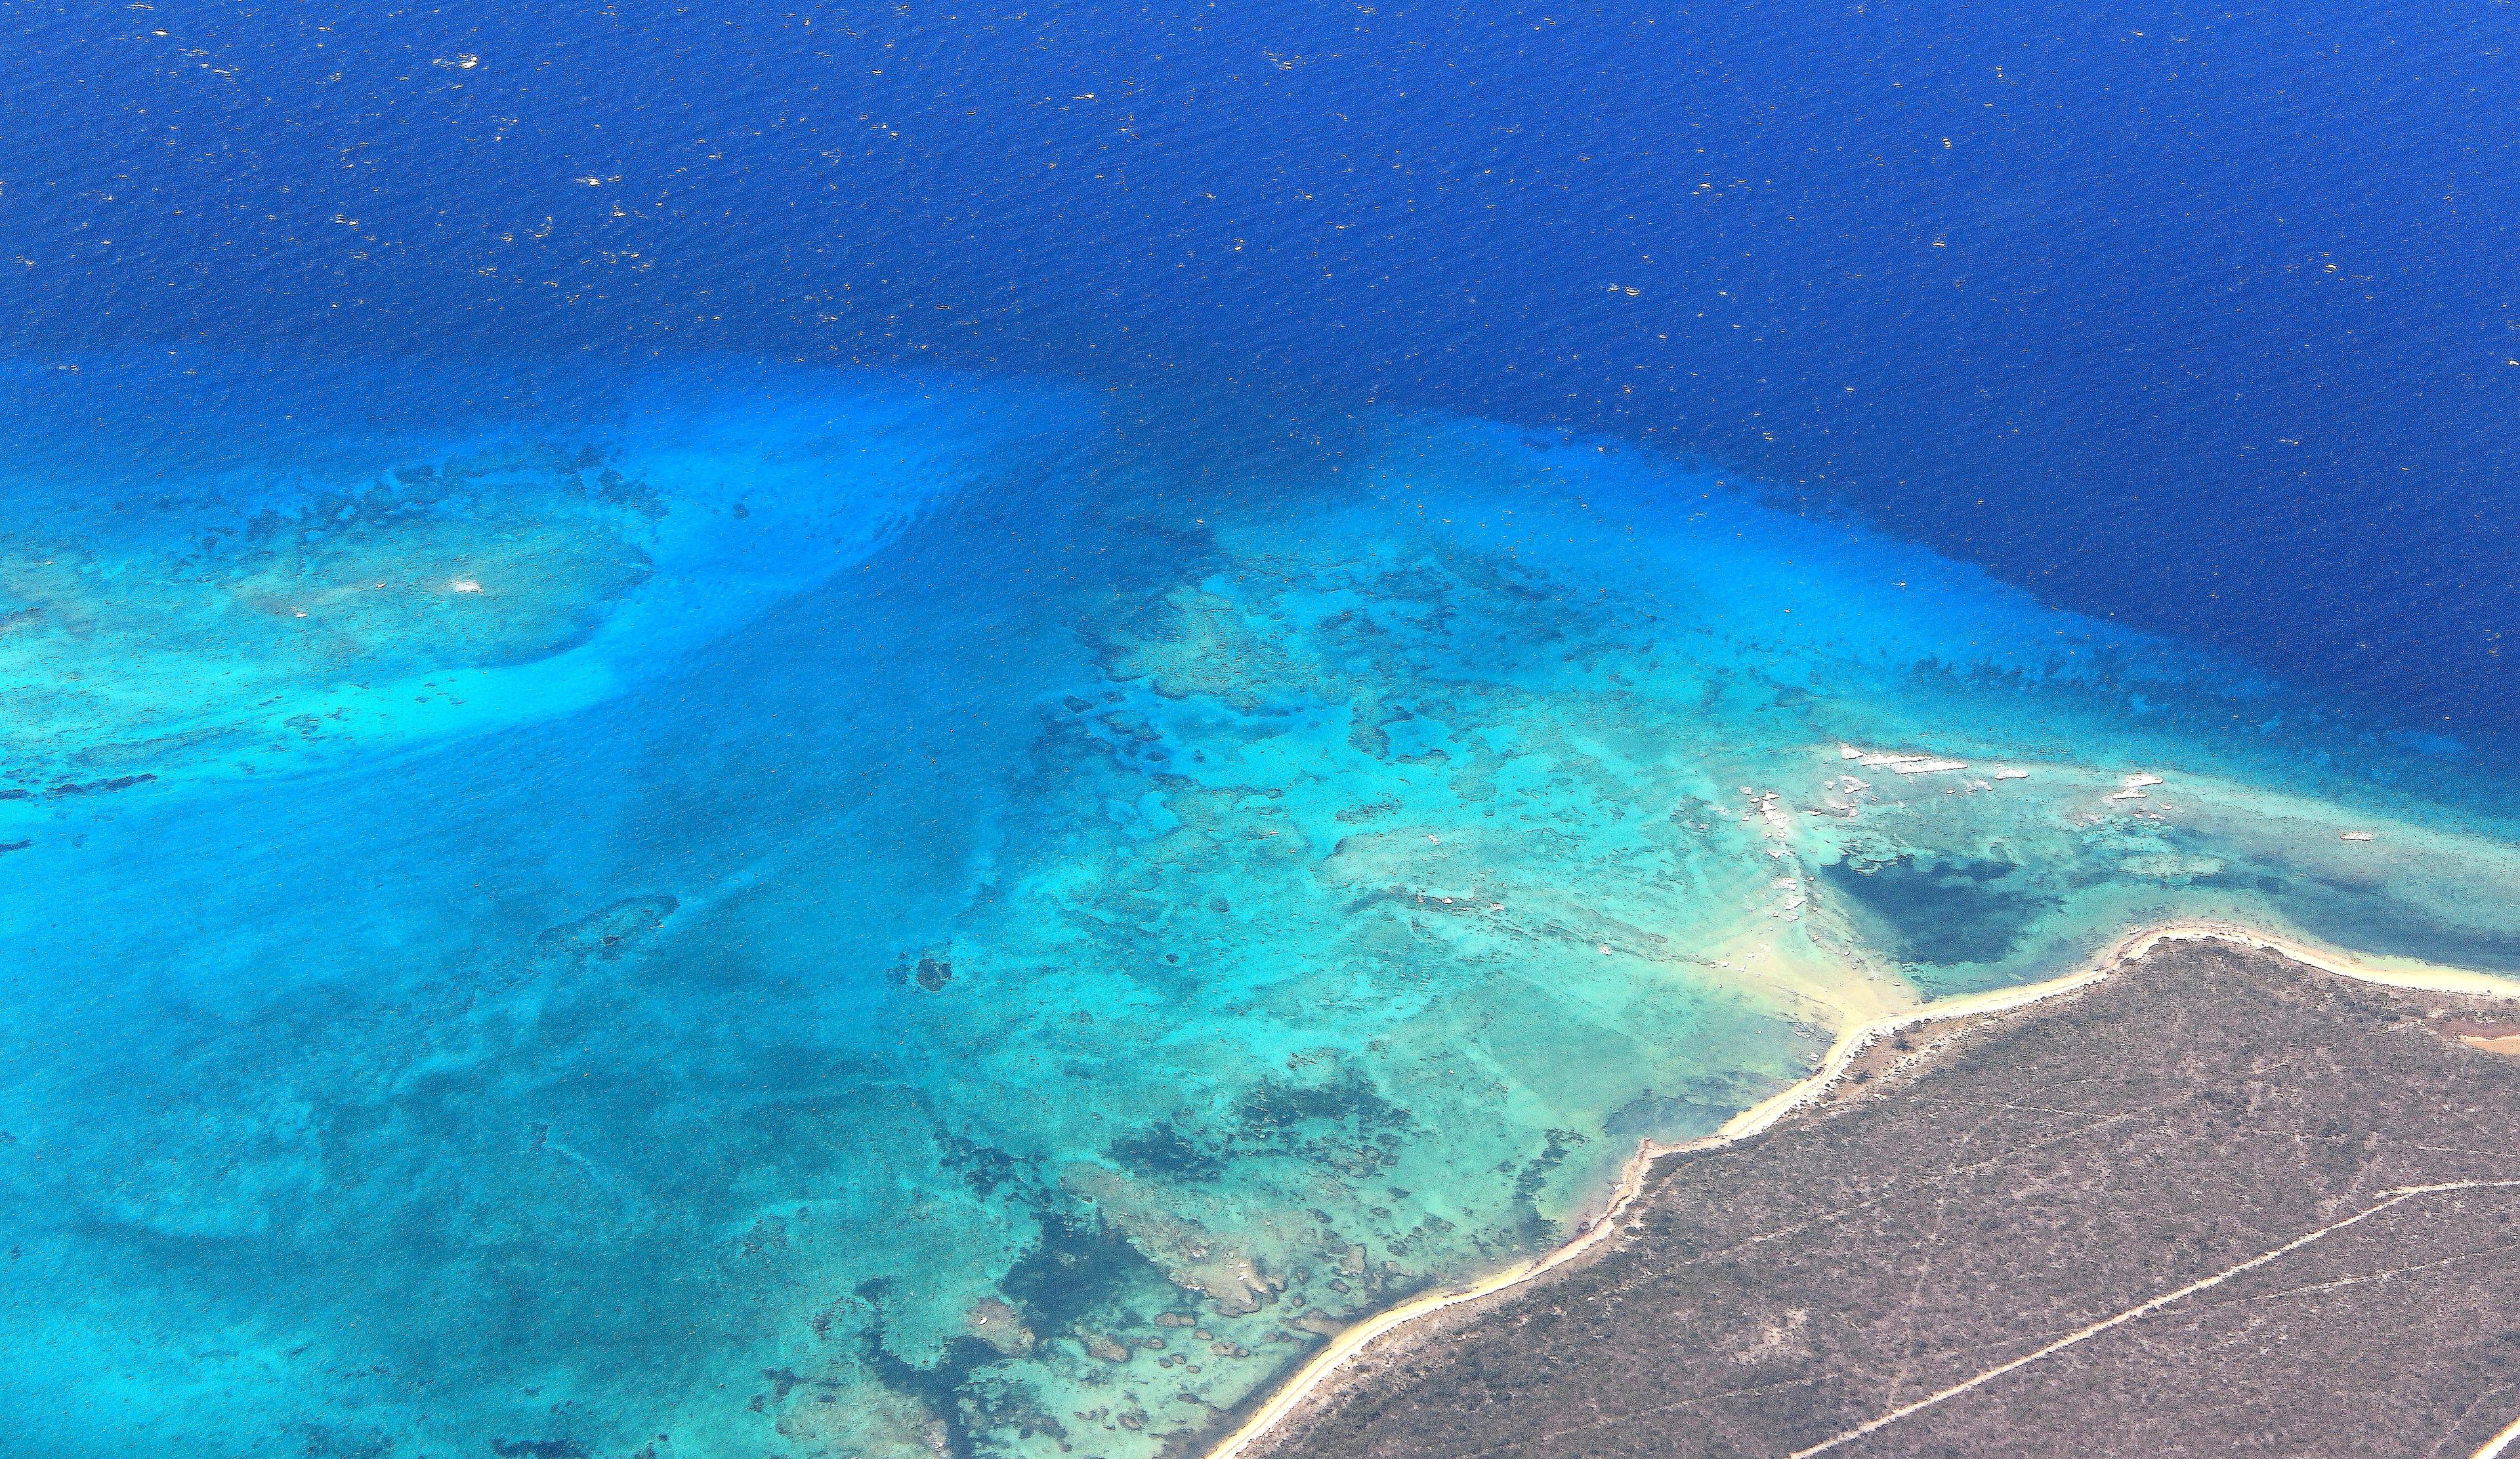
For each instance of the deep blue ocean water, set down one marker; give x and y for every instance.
(2034, 284)
(730, 730)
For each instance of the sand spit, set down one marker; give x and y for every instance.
(1328, 1364)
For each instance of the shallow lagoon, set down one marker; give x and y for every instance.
(758, 911)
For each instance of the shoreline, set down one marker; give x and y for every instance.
(1319, 1369)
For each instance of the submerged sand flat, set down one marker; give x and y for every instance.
(945, 916)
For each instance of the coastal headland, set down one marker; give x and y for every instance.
(2216, 1192)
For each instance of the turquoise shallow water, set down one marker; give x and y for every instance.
(760, 911)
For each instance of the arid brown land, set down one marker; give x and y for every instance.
(2217, 1205)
